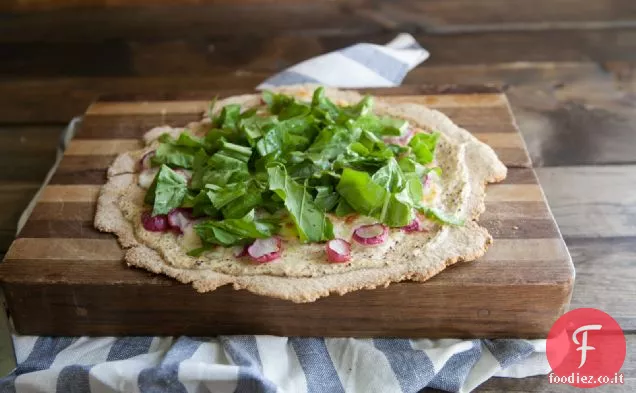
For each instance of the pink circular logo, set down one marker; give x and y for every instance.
(586, 349)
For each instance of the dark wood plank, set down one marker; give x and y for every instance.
(506, 15)
(592, 201)
(27, 153)
(38, 100)
(62, 229)
(555, 104)
(76, 211)
(76, 59)
(164, 22)
(100, 20)
(14, 197)
(526, 229)
(271, 53)
(129, 126)
(357, 313)
(605, 274)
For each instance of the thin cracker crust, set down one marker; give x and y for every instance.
(465, 243)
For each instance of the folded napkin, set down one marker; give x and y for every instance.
(277, 364)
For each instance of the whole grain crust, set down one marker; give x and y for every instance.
(463, 243)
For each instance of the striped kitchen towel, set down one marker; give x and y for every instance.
(277, 364)
(265, 364)
(359, 65)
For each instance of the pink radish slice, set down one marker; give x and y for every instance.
(265, 250)
(179, 219)
(145, 160)
(400, 140)
(158, 223)
(426, 180)
(338, 250)
(371, 234)
(414, 226)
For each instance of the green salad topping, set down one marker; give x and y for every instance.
(290, 163)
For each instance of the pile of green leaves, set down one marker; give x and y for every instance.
(255, 171)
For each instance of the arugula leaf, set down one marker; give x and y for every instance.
(229, 117)
(188, 140)
(374, 200)
(361, 109)
(221, 196)
(294, 109)
(398, 209)
(200, 204)
(215, 137)
(423, 146)
(279, 138)
(311, 222)
(362, 194)
(296, 162)
(326, 198)
(440, 216)
(254, 127)
(237, 152)
(381, 126)
(323, 108)
(303, 169)
(233, 231)
(167, 191)
(227, 165)
(251, 199)
(174, 155)
(343, 208)
(276, 102)
(393, 126)
(361, 157)
(414, 187)
(331, 142)
(390, 176)
(197, 252)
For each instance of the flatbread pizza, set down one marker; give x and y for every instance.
(301, 192)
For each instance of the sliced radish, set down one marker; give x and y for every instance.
(186, 174)
(158, 223)
(426, 180)
(145, 160)
(179, 219)
(147, 176)
(371, 234)
(265, 250)
(338, 250)
(414, 226)
(401, 140)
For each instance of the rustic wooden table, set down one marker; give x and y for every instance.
(568, 67)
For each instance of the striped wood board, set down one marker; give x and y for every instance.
(62, 277)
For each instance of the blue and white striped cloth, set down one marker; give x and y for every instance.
(277, 364)
(265, 364)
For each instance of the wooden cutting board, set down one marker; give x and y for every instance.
(62, 277)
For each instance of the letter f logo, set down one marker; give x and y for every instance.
(584, 347)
